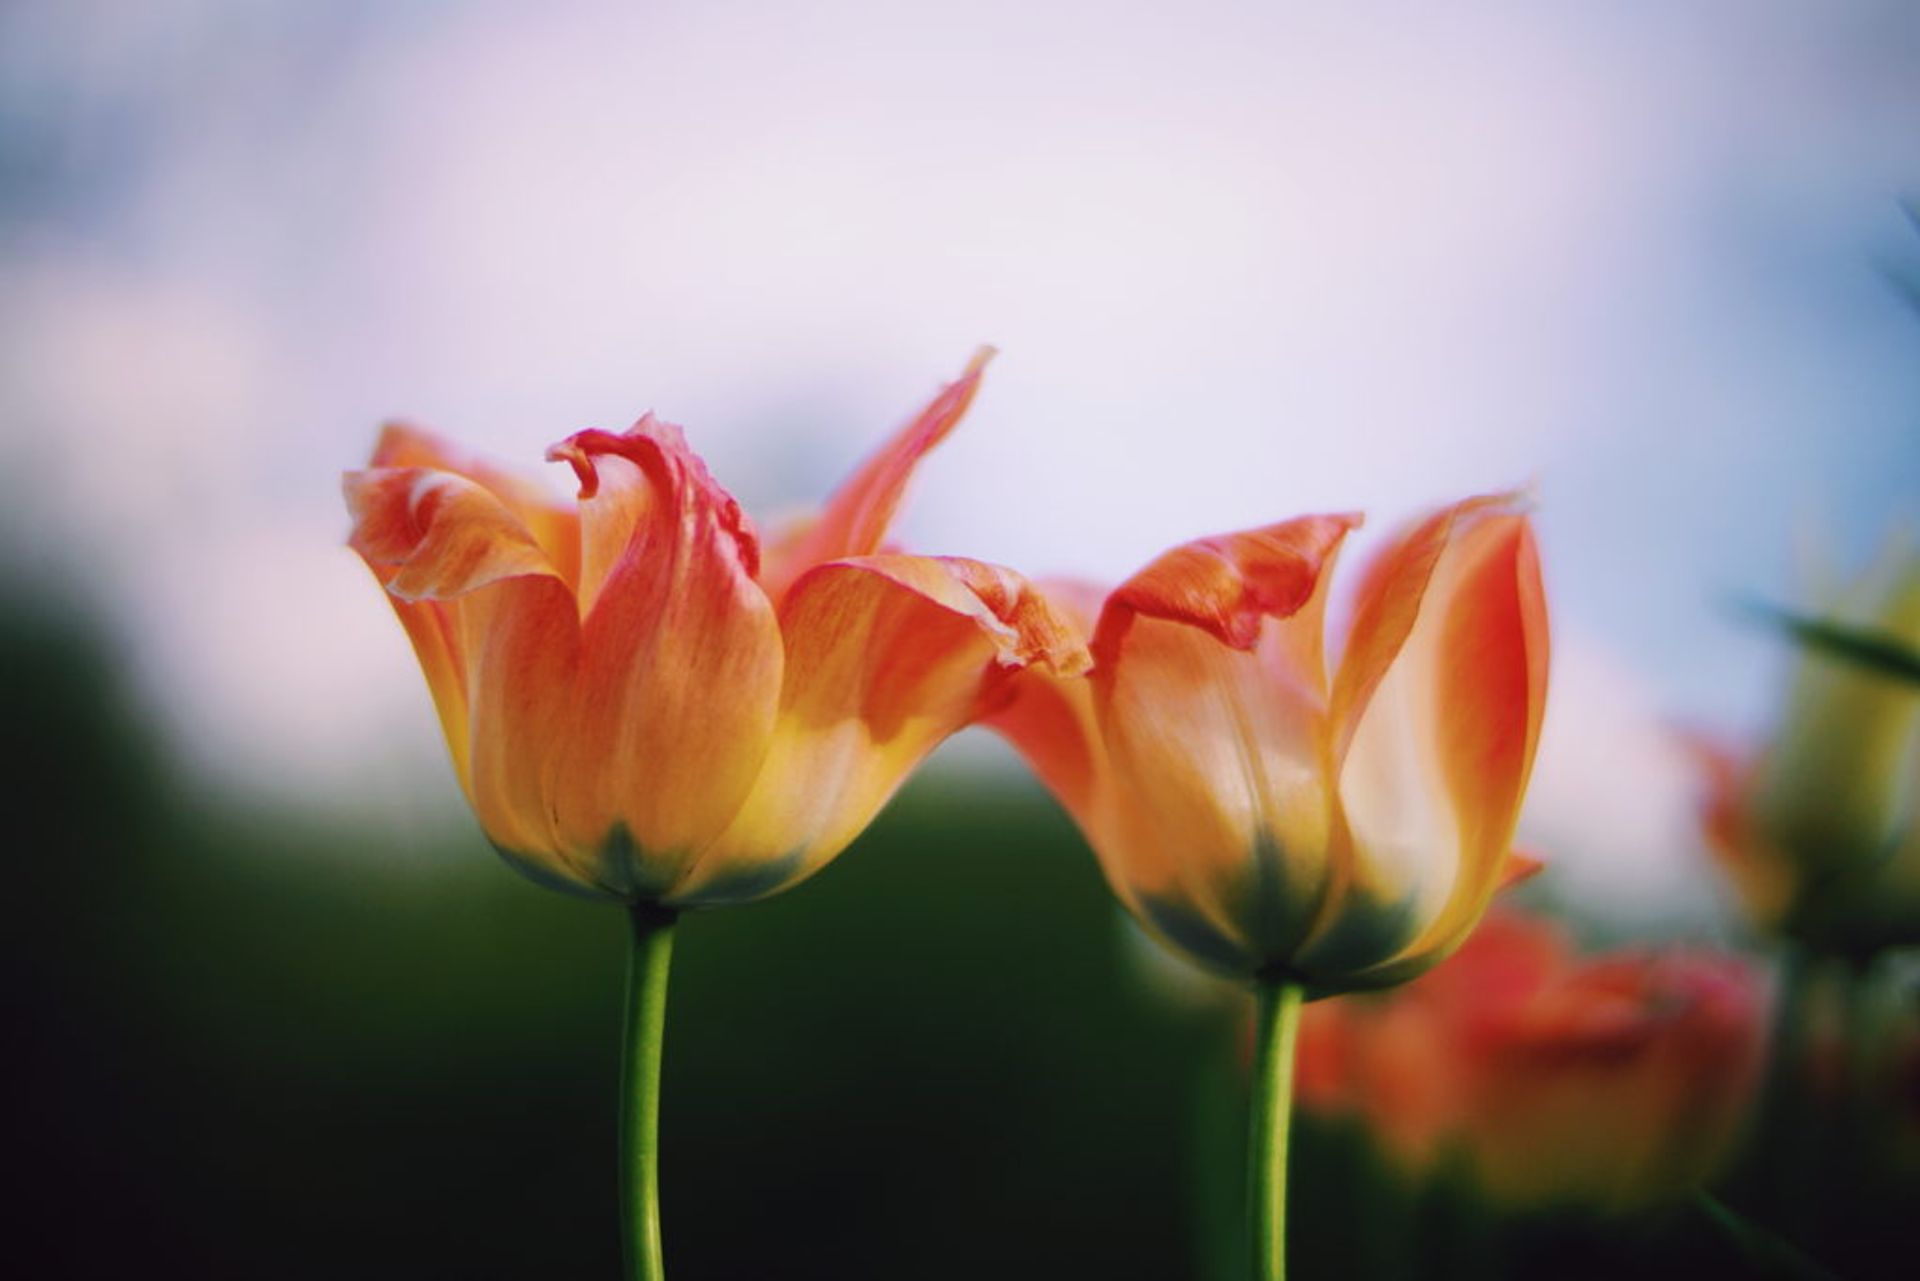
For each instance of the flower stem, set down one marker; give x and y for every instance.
(1270, 1122)
(640, 1091)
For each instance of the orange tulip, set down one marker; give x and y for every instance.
(641, 705)
(1270, 820)
(1612, 1083)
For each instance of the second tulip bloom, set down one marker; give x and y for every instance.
(1273, 818)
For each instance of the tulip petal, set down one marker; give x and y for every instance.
(854, 521)
(1210, 693)
(555, 526)
(1760, 874)
(680, 662)
(1443, 738)
(430, 537)
(437, 535)
(1519, 868)
(1049, 716)
(520, 640)
(1229, 585)
(885, 657)
(496, 632)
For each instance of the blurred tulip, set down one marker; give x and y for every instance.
(1610, 1083)
(1269, 821)
(640, 705)
(1818, 833)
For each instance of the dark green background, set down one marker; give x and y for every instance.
(247, 1044)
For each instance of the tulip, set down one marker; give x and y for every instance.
(1611, 1083)
(1270, 822)
(1275, 823)
(641, 705)
(1818, 832)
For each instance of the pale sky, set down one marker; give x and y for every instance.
(1241, 261)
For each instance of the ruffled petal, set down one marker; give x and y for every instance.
(855, 520)
(885, 657)
(1216, 821)
(680, 663)
(555, 526)
(435, 535)
(1442, 740)
(495, 628)
(1049, 716)
(1229, 585)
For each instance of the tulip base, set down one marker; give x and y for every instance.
(646, 1015)
(1270, 1124)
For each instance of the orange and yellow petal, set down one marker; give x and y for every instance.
(1443, 705)
(1049, 716)
(1622, 1083)
(855, 520)
(1492, 701)
(886, 656)
(521, 643)
(680, 661)
(1610, 1083)
(496, 631)
(1228, 586)
(1761, 876)
(436, 535)
(1215, 819)
(554, 525)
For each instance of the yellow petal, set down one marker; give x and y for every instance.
(1215, 820)
(495, 628)
(555, 526)
(1441, 739)
(1049, 715)
(885, 657)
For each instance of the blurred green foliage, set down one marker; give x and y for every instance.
(246, 1044)
(251, 1046)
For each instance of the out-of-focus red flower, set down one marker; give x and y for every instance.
(1269, 813)
(643, 705)
(1611, 1082)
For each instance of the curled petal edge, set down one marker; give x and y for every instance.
(1227, 585)
(854, 522)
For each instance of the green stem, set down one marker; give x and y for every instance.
(1766, 1254)
(1270, 1122)
(640, 1091)
(1859, 1120)
(1785, 1124)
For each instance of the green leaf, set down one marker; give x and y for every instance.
(1768, 1254)
(1867, 647)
